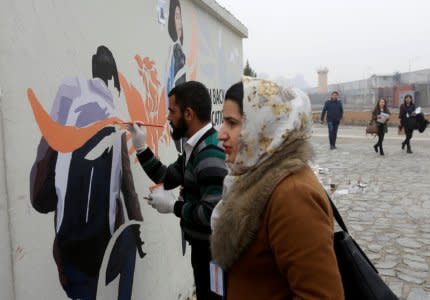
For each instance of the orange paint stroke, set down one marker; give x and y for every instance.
(134, 100)
(149, 108)
(63, 138)
(150, 65)
(139, 61)
(131, 150)
(192, 55)
(193, 75)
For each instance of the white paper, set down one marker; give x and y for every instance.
(382, 117)
(418, 110)
(162, 11)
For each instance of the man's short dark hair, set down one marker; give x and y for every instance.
(335, 92)
(172, 92)
(195, 95)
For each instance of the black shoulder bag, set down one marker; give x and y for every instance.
(359, 276)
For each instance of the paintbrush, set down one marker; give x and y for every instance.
(140, 123)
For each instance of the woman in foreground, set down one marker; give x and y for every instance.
(273, 230)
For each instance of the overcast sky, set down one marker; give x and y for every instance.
(354, 39)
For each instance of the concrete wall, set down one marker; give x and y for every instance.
(6, 272)
(365, 92)
(382, 81)
(421, 76)
(43, 42)
(422, 95)
(353, 94)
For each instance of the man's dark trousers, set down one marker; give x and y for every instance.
(200, 259)
(332, 132)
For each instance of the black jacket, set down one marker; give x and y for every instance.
(334, 110)
(407, 120)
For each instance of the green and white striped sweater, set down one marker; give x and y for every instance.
(201, 180)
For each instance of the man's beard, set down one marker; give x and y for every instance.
(179, 131)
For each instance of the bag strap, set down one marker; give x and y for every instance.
(336, 214)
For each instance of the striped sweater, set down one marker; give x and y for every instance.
(201, 180)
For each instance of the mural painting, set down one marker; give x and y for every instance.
(176, 72)
(82, 163)
(81, 181)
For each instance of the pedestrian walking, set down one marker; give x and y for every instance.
(380, 115)
(407, 121)
(334, 109)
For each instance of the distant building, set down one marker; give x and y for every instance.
(322, 80)
(365, 93)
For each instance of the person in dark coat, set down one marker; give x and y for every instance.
(407, 121)
(380, 116)
(85, 191)
(334, 109)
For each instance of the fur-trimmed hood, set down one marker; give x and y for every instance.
(243, 205)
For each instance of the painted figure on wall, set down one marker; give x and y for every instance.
(83, 186)
(176, 72)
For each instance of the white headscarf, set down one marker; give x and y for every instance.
(270, 114)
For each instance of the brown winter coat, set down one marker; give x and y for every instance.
(274, 235)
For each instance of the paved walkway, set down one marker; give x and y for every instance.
(385, 202)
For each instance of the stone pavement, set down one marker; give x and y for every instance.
(385, 202)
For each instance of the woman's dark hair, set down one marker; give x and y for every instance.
(410, 97)
(377, 109)
(104, 66)
(171, 24)
(235, 94)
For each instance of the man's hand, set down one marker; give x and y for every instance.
(161, 200)
(138, 134)
(322, 121)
